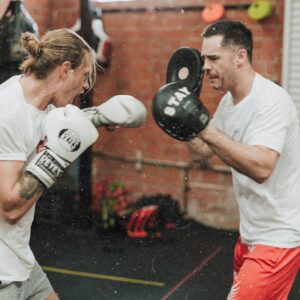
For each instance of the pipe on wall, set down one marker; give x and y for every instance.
(139, 161)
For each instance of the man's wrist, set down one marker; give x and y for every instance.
(204, 134)
(30, 186)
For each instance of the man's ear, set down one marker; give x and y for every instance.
(65, 69)
(241, 56)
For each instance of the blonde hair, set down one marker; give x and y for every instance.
(53, 49)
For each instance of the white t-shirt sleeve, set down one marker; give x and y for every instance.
(269, 126)
(11, 145)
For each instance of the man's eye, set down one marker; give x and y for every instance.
(87, 77)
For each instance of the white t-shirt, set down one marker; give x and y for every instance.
(21, 130)
(269, 212)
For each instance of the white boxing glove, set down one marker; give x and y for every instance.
(122, 110)
(68, 134)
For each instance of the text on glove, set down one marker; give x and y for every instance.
(175, 100)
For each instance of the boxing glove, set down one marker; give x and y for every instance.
(179, 112)
(122, 110)
(68, 134)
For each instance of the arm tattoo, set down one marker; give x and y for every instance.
(30, 187)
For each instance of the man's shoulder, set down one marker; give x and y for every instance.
(268, 85)
(10, 97)
(9, 83)
(272, 92)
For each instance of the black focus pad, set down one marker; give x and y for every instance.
(179, 112)
(185, 66)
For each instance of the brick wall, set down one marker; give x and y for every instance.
(145, 159)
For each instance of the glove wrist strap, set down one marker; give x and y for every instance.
(47, 167)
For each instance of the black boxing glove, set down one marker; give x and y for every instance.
(179, 112)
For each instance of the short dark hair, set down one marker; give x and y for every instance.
(233, 32)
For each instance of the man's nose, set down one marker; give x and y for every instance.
(206, 65)
(86, 85)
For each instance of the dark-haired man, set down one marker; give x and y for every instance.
(255, 131)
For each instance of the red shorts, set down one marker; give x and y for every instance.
(263, 272)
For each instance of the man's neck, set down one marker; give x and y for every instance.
(36, 92)
(243, 86)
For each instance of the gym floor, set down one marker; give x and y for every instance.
(188, 263)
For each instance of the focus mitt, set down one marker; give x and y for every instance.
(185, 67)
(178, 112)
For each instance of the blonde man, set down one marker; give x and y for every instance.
(41, 133)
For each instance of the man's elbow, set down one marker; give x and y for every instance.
(264, 168)
(262, 176)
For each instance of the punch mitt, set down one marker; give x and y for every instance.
(179, 112)
(186, 67)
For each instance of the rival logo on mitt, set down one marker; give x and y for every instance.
(175, 100)
(69, 140)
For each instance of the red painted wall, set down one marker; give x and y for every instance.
(143, 42)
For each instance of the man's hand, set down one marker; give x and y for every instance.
(199, 150)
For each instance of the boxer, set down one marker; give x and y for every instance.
(59, 67)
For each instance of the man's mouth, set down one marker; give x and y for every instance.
(212, 79)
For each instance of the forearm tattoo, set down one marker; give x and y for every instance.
(30, 186)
